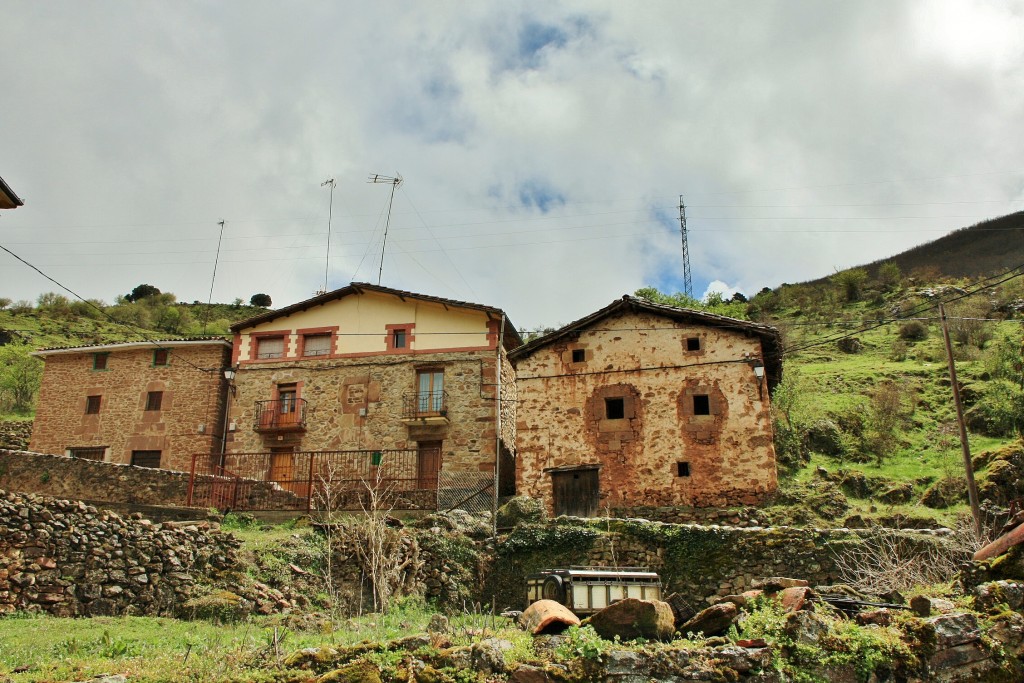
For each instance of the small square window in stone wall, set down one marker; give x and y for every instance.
(682, 469)
(701, 404)
(579, 355)
(614, 408)
(693, 344)
(92, 404)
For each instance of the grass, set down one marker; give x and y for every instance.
(43, 648)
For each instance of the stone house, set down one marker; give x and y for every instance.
(378, 382)
(151, 404)
(639, 406)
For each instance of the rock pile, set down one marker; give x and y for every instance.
(15, 434)
(70, 559)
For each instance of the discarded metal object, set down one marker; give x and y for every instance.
(586, 590)
(547, 616)
(851, 605)
(1001, 544)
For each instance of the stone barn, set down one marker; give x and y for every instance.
(641, 405)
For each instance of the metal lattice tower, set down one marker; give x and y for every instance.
(687, 280)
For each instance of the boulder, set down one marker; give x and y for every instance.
(796, 598)
(952, 630)
(548, 616)
(712, 621)
(805, 628)
(632, 618)
(988, 596)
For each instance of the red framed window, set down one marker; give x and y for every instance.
(99, 361)
(269, 347)
(161, 357)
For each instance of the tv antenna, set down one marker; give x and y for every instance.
(687, 280)
(377, 179)
(330, 212)
(209, 300)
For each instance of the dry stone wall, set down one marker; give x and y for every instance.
(700, 562)
(70, 559)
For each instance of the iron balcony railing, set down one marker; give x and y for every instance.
(425, 404)
(280, 416)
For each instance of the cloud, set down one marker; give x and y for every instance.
(544, 146)
(719, 287)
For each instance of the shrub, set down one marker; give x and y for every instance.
(915, 330)
(851, 283)
(899, 351)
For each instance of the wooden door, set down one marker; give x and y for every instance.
(575, 493)
(282, 470)
(428, 464)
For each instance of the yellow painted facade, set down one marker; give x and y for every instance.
(362, 326)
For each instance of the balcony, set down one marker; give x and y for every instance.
(424, 413)
(280, 416)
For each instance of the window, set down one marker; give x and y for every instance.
(146, 459)
(701, 404)
(614, 408)
(693, 343)
(316, 345)
(270, 347)
(430, 391)
(92, 405)
(99, 361)
(682, 469)
(154, 399)
(161, 357)
(398, 339)
(579, 355)
(88, 452)
(287, 395)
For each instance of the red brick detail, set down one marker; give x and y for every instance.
(302, 333)
(410, 336)
(254, 344)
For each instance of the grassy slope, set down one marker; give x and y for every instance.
(836, 385)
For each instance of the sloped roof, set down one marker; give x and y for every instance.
(150, 343)
(771, 340)
(8, 200)
(512, 338)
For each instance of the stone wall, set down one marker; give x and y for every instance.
(188, 422)
(698, 562)
(658, 450)
(357, 404)
(70, 559)
(15, 434)
(80, 479)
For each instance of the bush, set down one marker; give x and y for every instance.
(825, 437)
(915, 330)
(1000, 410)
(899, 351)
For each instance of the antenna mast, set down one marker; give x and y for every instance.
(687, 280)
(209, 300)
(330, 212)
(394, 182)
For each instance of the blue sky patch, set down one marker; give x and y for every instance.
(540, 195)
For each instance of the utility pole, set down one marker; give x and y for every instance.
(687, 280)
(972, 487)
(330, 212)
(394, 182)
(209, 300)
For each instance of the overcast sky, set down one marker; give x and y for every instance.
(543, 145)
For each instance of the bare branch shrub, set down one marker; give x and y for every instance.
(889, 560)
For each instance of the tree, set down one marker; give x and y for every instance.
(261, 300)
(851, 282)
(141, 292)
(20, 374)
(889, 276)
